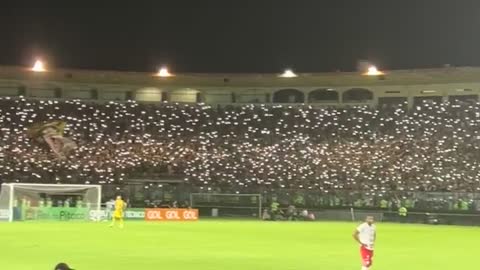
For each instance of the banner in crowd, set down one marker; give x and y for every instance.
(170, 214)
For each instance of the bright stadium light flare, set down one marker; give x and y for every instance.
(373, 71)
(39, 66)
(288, 74)
(164, 73)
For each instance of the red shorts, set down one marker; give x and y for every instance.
(367, 256)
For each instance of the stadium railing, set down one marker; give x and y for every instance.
(357, 215)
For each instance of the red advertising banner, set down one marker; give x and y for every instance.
(171, 214)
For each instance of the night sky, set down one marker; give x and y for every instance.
(245, 36)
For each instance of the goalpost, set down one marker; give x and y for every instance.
(49, 201)
(228, 205)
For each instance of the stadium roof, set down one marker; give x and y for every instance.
(395, 77)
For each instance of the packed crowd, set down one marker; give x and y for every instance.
(432, 147)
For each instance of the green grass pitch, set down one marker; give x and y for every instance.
(232, 245)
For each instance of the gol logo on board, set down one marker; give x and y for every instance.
(156, 214)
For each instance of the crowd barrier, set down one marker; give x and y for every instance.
(72, 214)
(169, 214)
(357, 215)
(150, 214)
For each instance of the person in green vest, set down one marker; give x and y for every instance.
(384, 204)
(464, 206)
(325, 201)
(402, 213)
(49, 202)
(331, 201)
(408, 203)
(24, 202)
(358, 203)
(299, 200)
(274, 206)
(337, 201)
(23, 207)
(274, 209)
(79, 202)
(450, 205)
(456, 205)
(41, 203)
(67, 203)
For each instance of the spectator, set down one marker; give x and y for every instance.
(332, 151)
(291, 213)
(304, 214)
(266, 215)
(62, 266)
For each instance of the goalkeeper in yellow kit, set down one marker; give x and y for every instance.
(117, 216)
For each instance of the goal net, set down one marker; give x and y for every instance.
(49, 202)
(227, 205)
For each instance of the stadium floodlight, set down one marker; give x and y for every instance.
(39, 66)
(373, 71)
(288, 73)
(49, 201)
(164, 73)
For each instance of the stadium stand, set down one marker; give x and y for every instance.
(433, 147)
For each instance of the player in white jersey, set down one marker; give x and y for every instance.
(110, 205)
(365, 235)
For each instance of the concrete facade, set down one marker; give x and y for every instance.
(332, 89)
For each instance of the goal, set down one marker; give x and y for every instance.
(227, 205)
(49, 201)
